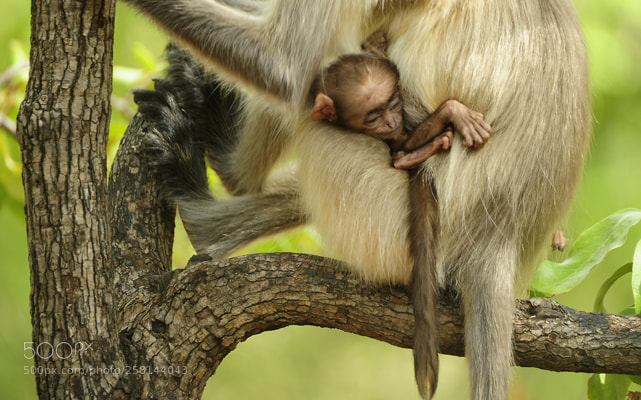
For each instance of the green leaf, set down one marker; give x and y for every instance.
(589, 249)
(599, 305)
(627, 311)
(636, 278)
(608, 387)
(635, 378)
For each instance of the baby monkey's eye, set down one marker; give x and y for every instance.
(371, 119)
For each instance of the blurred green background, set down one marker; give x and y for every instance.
(314, 363)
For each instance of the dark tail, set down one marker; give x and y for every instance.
(424, 288)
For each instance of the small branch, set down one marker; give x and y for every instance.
(558, 338)
(8, 125)
(7, 75)
(142, 224)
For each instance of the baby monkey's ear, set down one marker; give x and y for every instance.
(324, 108)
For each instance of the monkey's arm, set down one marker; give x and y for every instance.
(256, 50)
(468, 123)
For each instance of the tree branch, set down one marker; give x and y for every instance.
(142, 224)
(194, 317)
(237, 298)
(63, 129)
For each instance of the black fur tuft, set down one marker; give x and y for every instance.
(213, 108)
(192, 115)
(170, 145)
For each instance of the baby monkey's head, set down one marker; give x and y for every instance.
(361, 92)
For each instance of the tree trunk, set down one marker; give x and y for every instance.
(63, 130)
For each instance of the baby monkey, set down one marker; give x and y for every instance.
(361, 92)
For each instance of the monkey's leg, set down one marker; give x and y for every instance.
(218, 228)
(207, 111)
(263, 138)
(423, 225)
(215, 227)
(242, 137)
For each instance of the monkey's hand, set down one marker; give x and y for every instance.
(376, 44)
(558, 241)
(470, 124)
(410, 159)
(170, 144)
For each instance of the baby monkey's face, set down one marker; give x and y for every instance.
(375, 107)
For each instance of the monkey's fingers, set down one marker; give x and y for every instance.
(558, 241)
(471, 136)
(483, 130)
(486, 127)
(474, 133)
(377, 40)
(376, 44)
(447, 140)
(479, 120)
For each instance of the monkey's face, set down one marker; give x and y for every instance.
(375, 107)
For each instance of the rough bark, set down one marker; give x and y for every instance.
(224, 302)
(101, 261)
(63, 130)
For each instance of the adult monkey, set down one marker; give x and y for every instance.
(522, 64)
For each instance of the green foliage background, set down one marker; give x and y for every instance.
(313, 363)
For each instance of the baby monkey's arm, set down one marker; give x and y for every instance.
(468, 123)
(436, 133)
